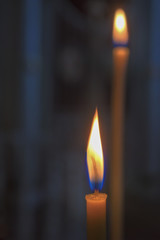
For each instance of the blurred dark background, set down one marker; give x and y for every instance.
(55, 68)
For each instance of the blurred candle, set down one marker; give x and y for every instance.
(96, 202)
(120, 61)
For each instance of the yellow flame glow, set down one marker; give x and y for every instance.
(120, 29)
(95, 161)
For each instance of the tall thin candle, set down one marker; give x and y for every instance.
(120, 61)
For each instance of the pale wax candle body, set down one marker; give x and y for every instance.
(96, 216)
(120, 61)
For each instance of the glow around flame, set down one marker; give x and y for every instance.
(95, 161)
(120, 29)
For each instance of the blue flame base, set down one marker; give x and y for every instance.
(120, 44)
(96, 185)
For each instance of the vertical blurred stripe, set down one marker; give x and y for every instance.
(154, 91)
(32, 57)
(31, 88)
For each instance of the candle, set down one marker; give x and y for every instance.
(120, 60)
(95, 202)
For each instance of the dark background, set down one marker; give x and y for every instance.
(55, 68)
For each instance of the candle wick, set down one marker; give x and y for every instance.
(95, 169)
(96, 191)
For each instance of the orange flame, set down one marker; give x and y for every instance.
(95, 161)
(120, 29)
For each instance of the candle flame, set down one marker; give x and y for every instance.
(120, 29)
(95, 161)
